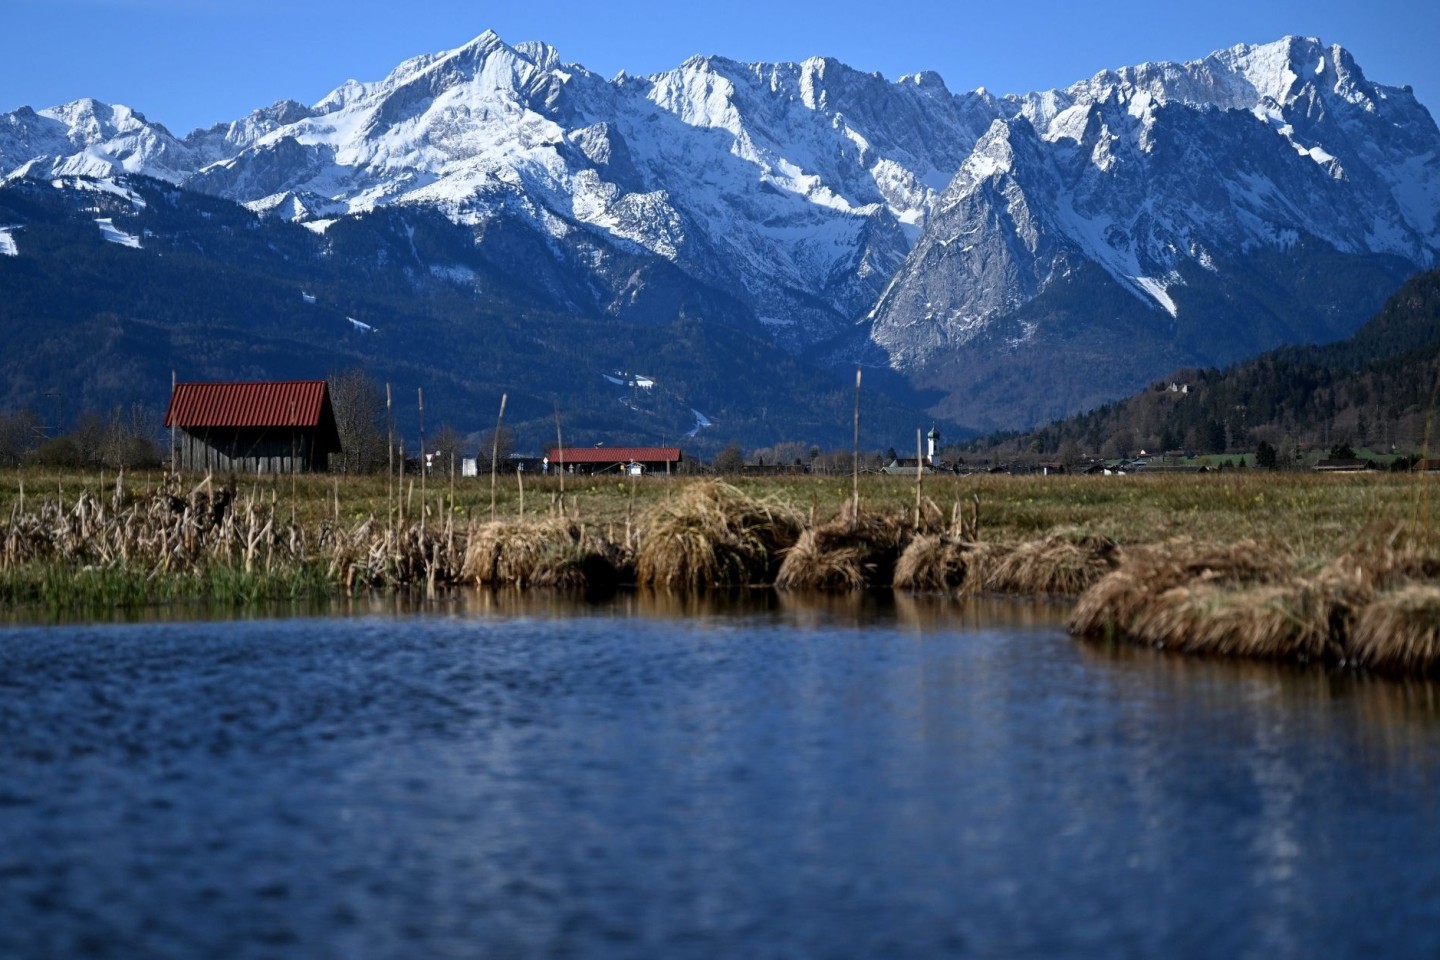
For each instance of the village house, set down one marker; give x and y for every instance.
(634, 461)
(1344, 465)
(907, 466)
(253, 427)
(930, 462)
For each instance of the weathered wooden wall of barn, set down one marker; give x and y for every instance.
(242, 452)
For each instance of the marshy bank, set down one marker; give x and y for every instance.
(1293, 567)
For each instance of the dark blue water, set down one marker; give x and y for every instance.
(640, 780)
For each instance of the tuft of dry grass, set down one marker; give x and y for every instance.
(714, 535)
(1377, 609)
(845, 554)
(1064, 562)
(549, 551)
(934, 563)
(1400, 630)
(1291, 621)
(1111, 606)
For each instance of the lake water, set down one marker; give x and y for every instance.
(852, 778)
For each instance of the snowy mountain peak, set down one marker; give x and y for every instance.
(1157, 173)
(544, 56)
(90, 120)
(487, 60)
(822, 199)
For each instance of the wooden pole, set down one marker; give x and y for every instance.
(855, 485)
(495, 452)
(293, 470)
(919, 477)
(174, 451)
(560, 453)
(390, 452)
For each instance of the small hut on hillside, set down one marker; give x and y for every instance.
(283, 426)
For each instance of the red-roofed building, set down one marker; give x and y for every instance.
(285, 426)
(613, 459)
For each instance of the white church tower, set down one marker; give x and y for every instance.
(933, 445)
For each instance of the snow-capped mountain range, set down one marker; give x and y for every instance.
(944, 234)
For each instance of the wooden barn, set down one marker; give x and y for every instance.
(623, 460)
(283, 426)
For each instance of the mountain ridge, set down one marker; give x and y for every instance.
(833, 204)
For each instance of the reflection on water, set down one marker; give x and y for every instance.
(1400, 710)
(859, 608)
(758, 775)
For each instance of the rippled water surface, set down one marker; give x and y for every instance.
(644, 779)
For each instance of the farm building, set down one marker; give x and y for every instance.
(613, 459)
(259, 427)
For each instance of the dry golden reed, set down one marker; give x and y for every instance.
(1399, 630)
(1289, 621)
(845, 554)
(934, 563)
(714, 535)
(1064, 562)
(1378, 608)
(1112, 604)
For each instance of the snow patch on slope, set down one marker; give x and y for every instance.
(104, 185)
(114, 234)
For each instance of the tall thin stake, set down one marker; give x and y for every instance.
(495, 453)
(294, 419)
(560, 454)
(855, 485)
(390, 451)
(174, 415)
(420, 394)
(919, 477)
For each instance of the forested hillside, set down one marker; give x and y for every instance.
(1376, 390)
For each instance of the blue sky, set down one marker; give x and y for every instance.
(190, 63)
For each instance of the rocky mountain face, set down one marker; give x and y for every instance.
(1021, 257)
(1263, 195)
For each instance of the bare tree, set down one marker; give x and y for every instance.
(730, 460)
(19, 434)
(502, 443)
(128, 441)
(359, 404)
(447, 446)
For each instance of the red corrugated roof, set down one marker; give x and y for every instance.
(614, 454)
(283, 403)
